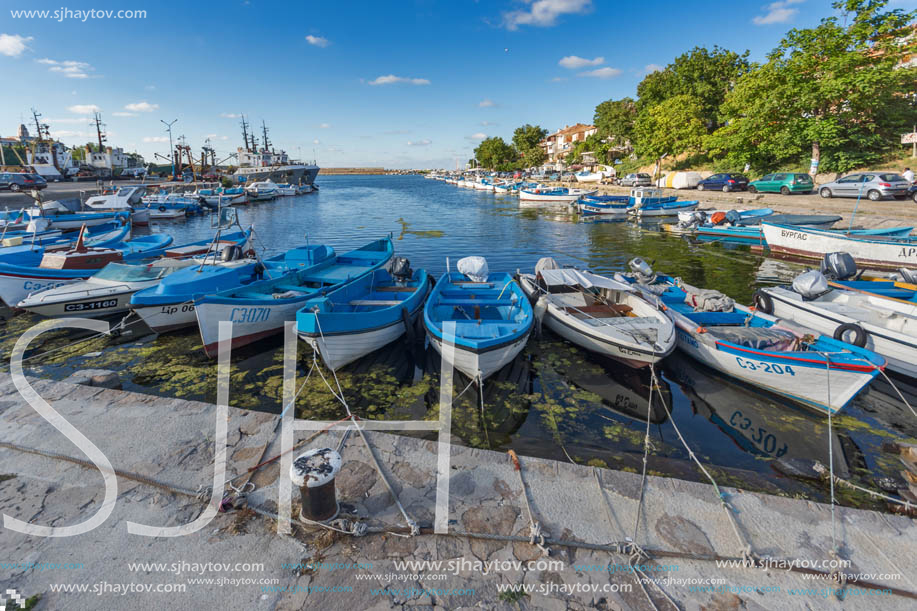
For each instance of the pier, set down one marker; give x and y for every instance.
(582, 516)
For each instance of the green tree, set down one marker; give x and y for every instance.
(705, 75)
(614, 119)
(495, 153)
(525, 141)
(672, 127)
(834, 93)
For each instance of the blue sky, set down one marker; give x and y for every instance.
(413, 83)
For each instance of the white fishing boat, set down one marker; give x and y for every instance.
(106, 293)
(876, 252)
(779, 356)
(557, 195)
(285, 189)
(123, 199)
(163, 213)
(261, 191)
(884, 325)
(599, 314)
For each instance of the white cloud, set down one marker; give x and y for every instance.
(123, 114)
(68, 67)
(83, 109)
(316, 141)
(229, 115)
(477, 136)
(650, 68)
(150, 87)
(601, 73)
(419, 142)
(318, 41)
(777, 12)
(487, 103)
(156, 139)
(13, 45)
(574, 62)
(488, 123)
(558, 79)
(391, 79)
(325, 126)
(141, 107)
(544, 13)
(70, 121)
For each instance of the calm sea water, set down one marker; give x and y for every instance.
(556, 400)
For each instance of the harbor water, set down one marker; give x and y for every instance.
(554, 401)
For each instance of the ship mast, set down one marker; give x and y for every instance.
(245, 135)
(97, 120)
(266, 142)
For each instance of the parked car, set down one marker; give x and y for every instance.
(912, 193)
(724, 182)
(874, 185)
(783, 182)
(636, 180)
(17, 181)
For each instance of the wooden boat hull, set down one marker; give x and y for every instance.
(868, 252)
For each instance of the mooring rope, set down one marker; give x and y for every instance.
(747, 554)
(536, 537)
(412, 524)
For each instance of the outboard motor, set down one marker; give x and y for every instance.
(231, 252)
(907, 275)
(400, 269)
(642, 270)
(838, 266)
(733, 217)
(811, 285)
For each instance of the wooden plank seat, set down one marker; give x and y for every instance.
(396, 289)
(475, 302)
(600, 310)
(375, 302)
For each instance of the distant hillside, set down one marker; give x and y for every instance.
(327, 171)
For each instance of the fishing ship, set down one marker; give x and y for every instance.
(259, 163)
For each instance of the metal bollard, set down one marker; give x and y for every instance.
(313, 473)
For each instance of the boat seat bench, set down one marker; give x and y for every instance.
(600, 310)
(475, 302)
(375, 302)
(396, 289)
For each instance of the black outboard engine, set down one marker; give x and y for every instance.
(908, 275)
(231, 252)
(838, 266)
(733, 217)
(400, 269)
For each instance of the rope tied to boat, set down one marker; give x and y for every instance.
(536, 536)
(411, 523)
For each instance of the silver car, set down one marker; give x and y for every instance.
(636, 180)
(874, 185)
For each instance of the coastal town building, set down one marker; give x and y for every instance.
(557, 145)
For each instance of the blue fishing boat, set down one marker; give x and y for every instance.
(260, 309)
(604, 204)
(170, 305)
(30, 272)
(489, 315)
(776, 355)
(364, 315)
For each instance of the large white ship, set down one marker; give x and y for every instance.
(258, 163)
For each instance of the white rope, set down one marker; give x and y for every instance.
(536, 536)
(415, 529)
(892, 384)
(747, 554)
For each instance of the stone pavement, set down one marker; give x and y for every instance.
(172, 441)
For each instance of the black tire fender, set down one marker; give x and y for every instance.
(859, 337)
(763, 302)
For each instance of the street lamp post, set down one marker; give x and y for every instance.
(171, 150)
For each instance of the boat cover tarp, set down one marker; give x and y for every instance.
(759, 338)
(473, 267)
(575, 277)
(706, 300)
(680, 180)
